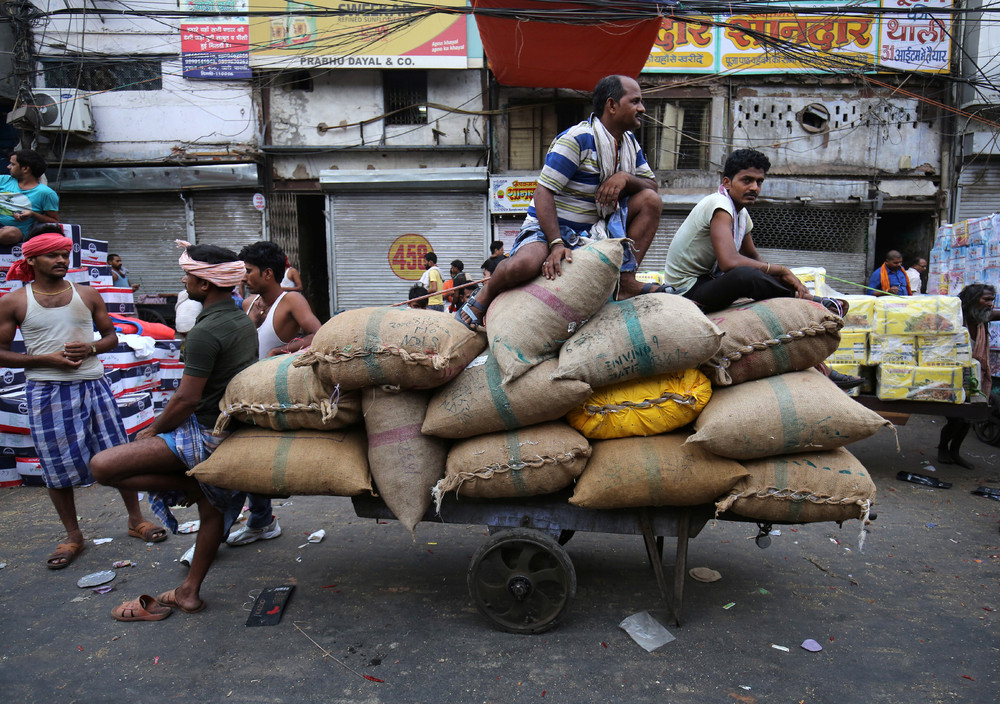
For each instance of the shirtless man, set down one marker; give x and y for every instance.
(73, 413)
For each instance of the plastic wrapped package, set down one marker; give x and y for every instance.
(849, 369)
(898, 382)
(917, 315)
(860, 314)
(944, 350)
(893, 349)
(813, 278)
(853, 349)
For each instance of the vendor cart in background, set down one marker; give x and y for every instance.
(156, 308)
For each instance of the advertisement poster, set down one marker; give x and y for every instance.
(511, 194)
(380, 34)
(919, 40)
(684, 47)
(216, 50)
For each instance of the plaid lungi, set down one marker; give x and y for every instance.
(71, 421)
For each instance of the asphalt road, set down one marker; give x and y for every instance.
(911, 619)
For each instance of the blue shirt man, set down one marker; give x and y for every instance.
(890, 277)
(24, 201)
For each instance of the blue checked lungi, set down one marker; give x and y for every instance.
(192, 442)
(70, 422)
(573, 239)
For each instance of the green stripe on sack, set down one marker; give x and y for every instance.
(776, 330)
(792, 426)
(652, 466)
(500, 400)
(634, 328)
(516, 475)
(371, 344)
(279, 465)
(782, 482)
(281, 392)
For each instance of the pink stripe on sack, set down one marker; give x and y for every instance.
(556, 304)
(390, 437)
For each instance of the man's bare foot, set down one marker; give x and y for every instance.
(179, 598)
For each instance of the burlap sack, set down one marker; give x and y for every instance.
(536, 460)
(781, 415)
(805, 488)
(477, 402)
(655, 471)
(639, 337)
(649, 406)
(529, 324)
(304, 462)
(405, 464)
(404, 347)
(771, 337)
(274, 393)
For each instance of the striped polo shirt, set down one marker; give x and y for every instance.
(571, 173)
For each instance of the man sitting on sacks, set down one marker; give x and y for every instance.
(713, 261)
(222, 343)
(595, 184)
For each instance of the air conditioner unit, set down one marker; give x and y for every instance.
(63, 110)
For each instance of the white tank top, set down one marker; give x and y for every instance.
(286, 282)
(267, 338)
(46, 330)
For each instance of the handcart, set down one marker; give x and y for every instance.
(522, 578)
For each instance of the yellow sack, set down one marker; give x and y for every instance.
(649, 406)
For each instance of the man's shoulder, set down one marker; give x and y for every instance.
(8, 182)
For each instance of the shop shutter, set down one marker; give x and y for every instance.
(226, 219)
(139, 227)
(980, 190)
(365, 225)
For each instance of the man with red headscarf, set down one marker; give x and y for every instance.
(73, 414)
(222, 343)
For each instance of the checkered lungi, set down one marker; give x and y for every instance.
(193, 443)
(70, 422)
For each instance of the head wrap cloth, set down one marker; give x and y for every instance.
(39, 244)
(224, 275)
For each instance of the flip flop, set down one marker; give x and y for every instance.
(148, 531)
(653, 287)
(470, 308)
(64, 551)
(837, 306)
(170, 599)
(145, 608)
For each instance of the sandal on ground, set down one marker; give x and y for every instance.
(170, 599)
(470, 308)
(145, 608)
(148, 531)
(67, 552)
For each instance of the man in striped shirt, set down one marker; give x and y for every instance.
(595, 184)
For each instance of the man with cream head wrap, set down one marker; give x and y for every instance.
(73, 414)
(222, 343)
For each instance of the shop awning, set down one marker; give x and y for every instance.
(573, 52)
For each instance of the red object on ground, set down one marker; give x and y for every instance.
(556, 55)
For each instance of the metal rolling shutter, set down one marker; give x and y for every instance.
(980, 190)
(226, 218)
(364, 226)
(139, 227)
(656, 255)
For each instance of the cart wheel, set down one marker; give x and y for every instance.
(149, 315)
(521, 580)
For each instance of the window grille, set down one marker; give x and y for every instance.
(104, 74)
(674, 134)
(532, 127)
(810, 228)
(405, 92)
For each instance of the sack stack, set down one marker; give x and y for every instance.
(575, 390)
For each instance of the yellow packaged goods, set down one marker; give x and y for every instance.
(898, 382)
(917, 315)
(274, 393)
(529, 461)
(655, 471)
(771, 337)
(529, 324)
(780, 415)
(813, 278)
(853, 349)
(860, 313)
(404, 347)
(305, 462)
(644, 407)
(405, 463)
(476, 402)
(944, 350)
(892, 349)
(850, 370)
(804, 488)
(639, 337)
